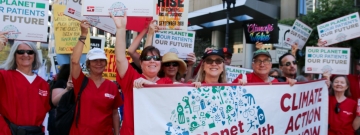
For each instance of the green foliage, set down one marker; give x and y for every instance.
(289, 22)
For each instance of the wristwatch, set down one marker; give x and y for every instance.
(82, 38)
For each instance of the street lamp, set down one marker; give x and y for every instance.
(228, 8)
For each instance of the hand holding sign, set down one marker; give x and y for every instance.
(191, 59)
(294, 47)
(259, 45)
(153, 27)
(243, 81)
(321, 43)
(139, 83)
(3, 40)
(291, 81)
(120, 22)
(85, 25)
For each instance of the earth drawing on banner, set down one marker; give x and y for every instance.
(213, 106)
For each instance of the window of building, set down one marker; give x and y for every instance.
(101, 32)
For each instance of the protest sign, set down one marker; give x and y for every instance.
(265, 31)
(279, 53)
(299, 34)
(172, 15)
(97, 42)
(223, 110)
(233, 72)
(283, 31)
(321, 59)
(25, 19)
(179, 42)
(138, 8)
(67, 32)
(73, 10)
(340, 29)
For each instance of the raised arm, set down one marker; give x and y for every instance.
(134, 45)
(3, 40)
(77, 51)
(120, 45)
(152, 29)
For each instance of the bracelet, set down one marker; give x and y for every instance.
(82, 41)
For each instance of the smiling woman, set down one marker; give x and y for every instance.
(212, 70)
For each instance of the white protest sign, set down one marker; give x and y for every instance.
(25, 19)
(279, 53)
(341, 29)
(73, 10)
(97, 42)
(233, 72)
(139, 8)
(299, 34)
(283, 31)
(232, 110)
(321, 59)
(179, 42)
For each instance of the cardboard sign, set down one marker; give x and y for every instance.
(232, 110)
(283, 31)
(321, 59)
(139, 8)
(172, 15)
(97, 42)
(179, 42)
(279, 53)
(67, 32)
(233, 72)
(265, 31)
(299, 34)
(341, 29)
(73, 10)
(25, 20)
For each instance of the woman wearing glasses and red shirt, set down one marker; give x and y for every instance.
(343, 119)
(212, 70)
(127, 76)
(24, 96)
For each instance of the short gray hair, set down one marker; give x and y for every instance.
(10, 63)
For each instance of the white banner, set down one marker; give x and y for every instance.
(25, 20)
(321, 59)
(340, 29)
(140, 8)
(299, 34)
(225, 110)
(73, 10)
(233, 72)
(179, 42)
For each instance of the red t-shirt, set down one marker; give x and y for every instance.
(22, 103)
(252, 78)
(354, 86)
(127, 84)
(96, 107)
(341, 123)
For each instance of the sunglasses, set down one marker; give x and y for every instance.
(337, 109)
(211, 61)
(148, 58)
(21, 52)
(168, 64)
(289, 63)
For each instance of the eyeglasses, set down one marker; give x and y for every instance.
(148, 58)
(337, 109)
(211, 61)
(289, 63)
(258, 62)
(29, 52)
(168, 64)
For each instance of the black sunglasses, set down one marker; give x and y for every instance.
(289, 63)
(29, 52)
(148, 58)
(168, 64)
(211, 61)
(337, 109)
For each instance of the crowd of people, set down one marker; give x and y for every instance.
(26, 98)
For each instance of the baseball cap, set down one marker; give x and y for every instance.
(214, 52)
(96, 53)
(261, 52)
(227, 50)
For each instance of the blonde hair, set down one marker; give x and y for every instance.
(200, 77)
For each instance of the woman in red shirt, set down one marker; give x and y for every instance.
(212, 69)
(100, 99)
(24, 96)
(128, 78)
(343, 119)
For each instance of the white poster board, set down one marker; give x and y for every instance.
(179, 42)
(233, 72)
(139, 8)
(299, 34)
(283, 31)
(172, 15)
(73, 10)
(25, 20)
(321, 59)
(232, 110)
(341, 29)
(97, 42)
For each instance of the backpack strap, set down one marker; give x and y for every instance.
(83, 85)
